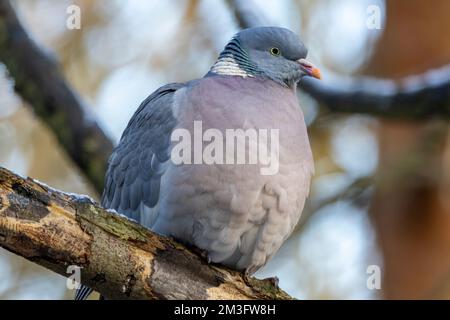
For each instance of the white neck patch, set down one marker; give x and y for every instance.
(229, 67)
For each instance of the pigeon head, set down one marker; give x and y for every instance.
(276, 53)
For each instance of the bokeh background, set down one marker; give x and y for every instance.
(380, 195)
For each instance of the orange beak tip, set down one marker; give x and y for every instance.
(316, 73)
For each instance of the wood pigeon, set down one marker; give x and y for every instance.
(235, 212)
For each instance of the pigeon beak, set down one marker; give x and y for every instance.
(309, 68)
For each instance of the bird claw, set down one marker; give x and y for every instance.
(202, 253)
(273, 281)
(246, 276)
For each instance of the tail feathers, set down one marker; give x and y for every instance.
(83, 293)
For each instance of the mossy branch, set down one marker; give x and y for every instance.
(118, 257)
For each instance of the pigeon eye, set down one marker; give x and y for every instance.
(275, 51)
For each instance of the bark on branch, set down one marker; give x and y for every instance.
(38, 80)
(413, 97)
(119, 258)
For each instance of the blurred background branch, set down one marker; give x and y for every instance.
(38, 80)
(412, 97)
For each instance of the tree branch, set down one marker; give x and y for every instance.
(119, 258)
(413, 97)
(38, 81)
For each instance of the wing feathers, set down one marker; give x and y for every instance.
(137, 163)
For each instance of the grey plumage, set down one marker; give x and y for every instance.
(136, 165)
(238, 216)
